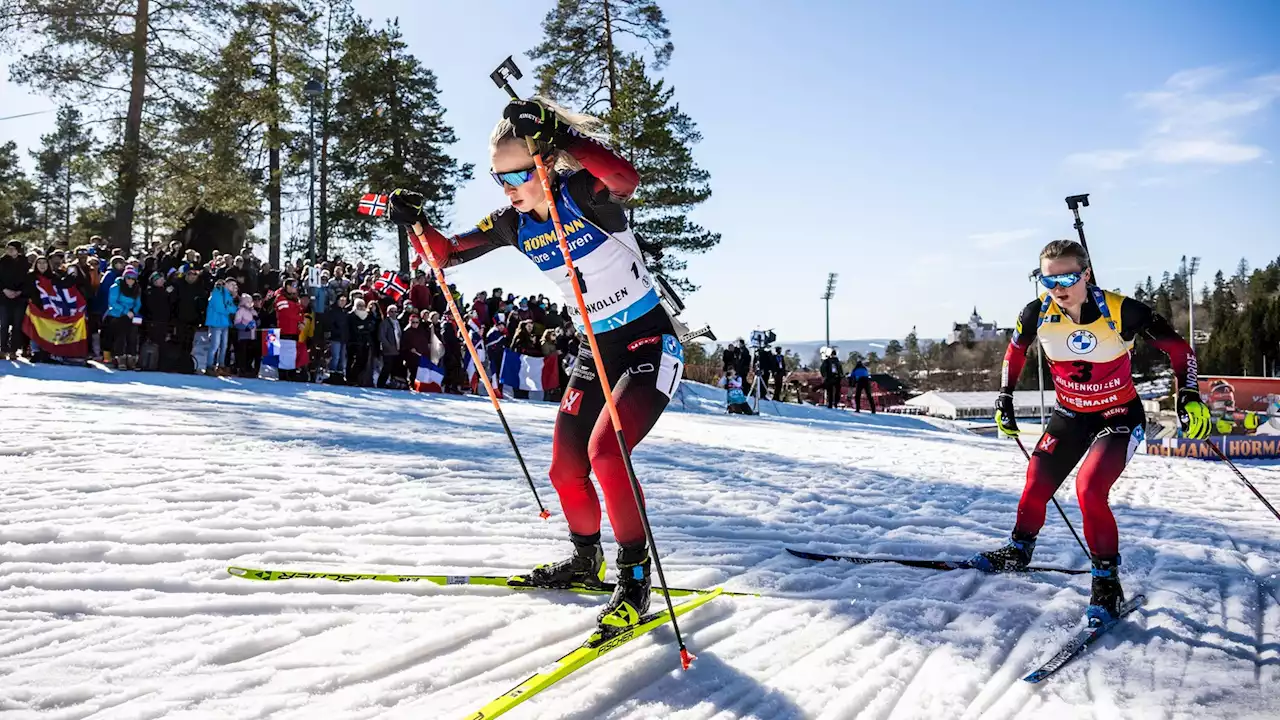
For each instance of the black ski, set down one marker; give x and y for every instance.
(1076, 646)
(927, 564)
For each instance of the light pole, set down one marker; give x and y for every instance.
(831, 291)
(312, 90)
(1191, 299)
(1035, 288)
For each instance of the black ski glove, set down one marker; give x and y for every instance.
(1005, 418)
(406, 207)
(534, 120)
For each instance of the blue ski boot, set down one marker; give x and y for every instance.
(1108, 596)
(1014, 557)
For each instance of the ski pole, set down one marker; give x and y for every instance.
(1223, 457)
(1061, 512)
(424, 250)
(499, 76)
(1074, 202)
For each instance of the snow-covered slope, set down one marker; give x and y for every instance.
(123, 498)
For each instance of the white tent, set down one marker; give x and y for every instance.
(958, 405)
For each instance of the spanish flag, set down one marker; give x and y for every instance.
(55, 321)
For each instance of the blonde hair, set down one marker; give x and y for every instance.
(1066, 248)
(587, 125)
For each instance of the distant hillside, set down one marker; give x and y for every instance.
(866, 346)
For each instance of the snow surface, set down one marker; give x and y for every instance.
(123, 497)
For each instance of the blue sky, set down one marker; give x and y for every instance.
(921, 150)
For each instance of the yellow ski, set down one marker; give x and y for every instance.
(493, 580)
(594, 647)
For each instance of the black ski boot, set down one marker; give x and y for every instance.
(585, 566)
(1108, 596)
(1014, 557)
(631, 595)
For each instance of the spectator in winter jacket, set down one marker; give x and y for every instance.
(495, 345)
(524, 341)
(420, 293)
(13, 303)
(95, 324)
(124, 314)
(860, 379)
(190, 298)
(494, 302)
(246, 325)
(218, 317)
(389, 339)
(337, 324)
(157, 312)
(480, 309)
(415, 343)
(779, 372)
(363, 328)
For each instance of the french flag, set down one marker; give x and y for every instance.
(430, 377)
(534, 374)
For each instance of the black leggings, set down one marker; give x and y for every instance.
(124, 336)
(644, 362)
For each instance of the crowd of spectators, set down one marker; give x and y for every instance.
(174, 311)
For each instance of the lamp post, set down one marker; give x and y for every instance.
(831, 291)
(1191, 299)
(312, 90)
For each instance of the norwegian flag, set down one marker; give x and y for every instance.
(60, 302)
(374, 204)
(391, 285)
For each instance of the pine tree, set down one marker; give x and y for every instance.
(18, 197)
(893, 353)
(656, 137)
(580, 60)
(339, 18)
(584, 62)
(389, 131)
(121, 56)
(65, 169)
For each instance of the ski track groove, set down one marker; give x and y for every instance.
(118, 518)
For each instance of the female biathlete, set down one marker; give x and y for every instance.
(1086, 334)
(641, 354)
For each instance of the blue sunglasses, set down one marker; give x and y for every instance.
(1065, 280)
(515, 178)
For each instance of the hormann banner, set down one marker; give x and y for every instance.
(1245, 420)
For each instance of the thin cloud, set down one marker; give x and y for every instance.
(1003, 238)
(1195, 119)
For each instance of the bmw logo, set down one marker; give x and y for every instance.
(1081, 342)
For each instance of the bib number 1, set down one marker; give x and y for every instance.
(671, 367)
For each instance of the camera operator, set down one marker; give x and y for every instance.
(832, 374)
(766, 367)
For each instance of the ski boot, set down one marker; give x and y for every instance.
(1108, 596)
(630, 598)
(585, 566)
(1014, 557)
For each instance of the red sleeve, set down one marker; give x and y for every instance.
(608, 167)
(435, 241)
